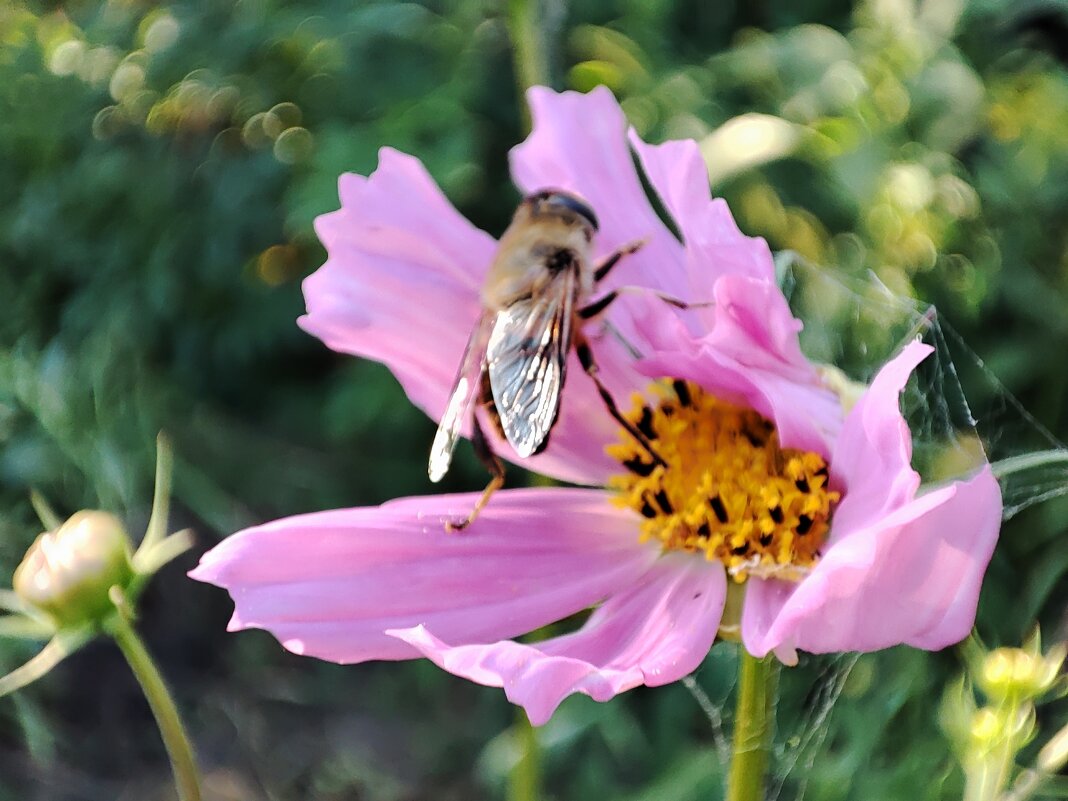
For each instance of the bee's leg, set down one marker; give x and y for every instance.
(585, 354)
(492, 463)
(613, 258)
(591, 310)
(599, 306)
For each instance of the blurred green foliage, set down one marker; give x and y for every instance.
(160, 166)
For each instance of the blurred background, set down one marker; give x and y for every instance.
(160, 168)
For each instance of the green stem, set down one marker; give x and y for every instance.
(161, 498)
(524, 783)
(985, 779)
(754, 722)
(49, 519)
(1028, 461)
(175, 739)
(58, 648)
(533, 33)
(987, 772)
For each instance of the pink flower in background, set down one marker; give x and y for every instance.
(768, 480)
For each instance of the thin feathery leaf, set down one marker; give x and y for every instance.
(49, 519)
(148, 562)
(161, 499)
(23, 627)
(11, 602)
(58, 648)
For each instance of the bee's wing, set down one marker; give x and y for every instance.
(527, 360)
(461, 399)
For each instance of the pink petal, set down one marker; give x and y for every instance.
(911, 577)
(652, 633)
(714, 245)
(330, 584)
(579, 143)
(402, 277)
(750, 357)
(896, 568)
(871, 462)
(401, 286)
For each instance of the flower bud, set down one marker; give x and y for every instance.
(847, 390)
(986, 728)
(67, 572)
(1015, 672)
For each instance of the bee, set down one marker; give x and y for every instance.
(535, 300)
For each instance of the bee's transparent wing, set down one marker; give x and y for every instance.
(527, 360)
(461, 399)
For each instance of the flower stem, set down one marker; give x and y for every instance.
(754, 722)
(49, 519)
(527, 26)
(175, 739)
(985, 780)
(534, 26)
(161, 497)
(1028, 461)
(58, 648)
(524, 783)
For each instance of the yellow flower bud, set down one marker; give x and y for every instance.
(986, 727)
(1017, 673)
(847, 390)
(67, 572)
(992, 728)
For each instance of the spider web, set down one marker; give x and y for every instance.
(960, 416)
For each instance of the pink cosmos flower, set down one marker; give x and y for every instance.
(768, 481)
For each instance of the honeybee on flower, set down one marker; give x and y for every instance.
(534, 305)
(749, 470)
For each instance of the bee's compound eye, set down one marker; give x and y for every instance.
(565, 200)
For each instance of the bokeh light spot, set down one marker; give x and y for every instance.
(161, 32)
(287, 114)
(277, 264)
(254, 132)
(67, 57)
(127, 79)
(293, 145)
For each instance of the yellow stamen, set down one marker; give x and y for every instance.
(728, 489)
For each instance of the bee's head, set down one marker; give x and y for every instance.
(561, 205)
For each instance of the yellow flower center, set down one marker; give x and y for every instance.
(727, 490)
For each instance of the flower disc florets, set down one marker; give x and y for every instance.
(728, 489)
